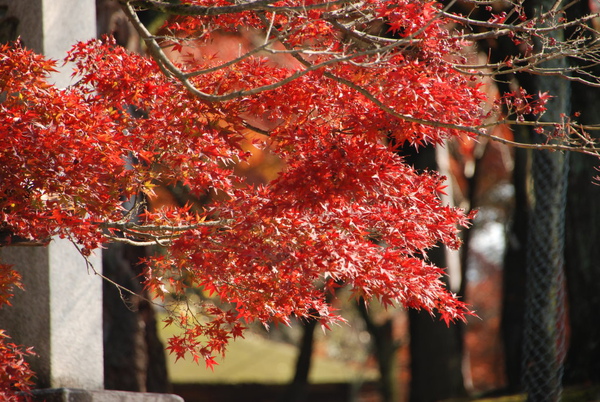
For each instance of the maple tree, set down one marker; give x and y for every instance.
(333, 89)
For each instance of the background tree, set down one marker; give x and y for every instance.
(134, 357)
(436, 350)
(581, 83)
(582, 259)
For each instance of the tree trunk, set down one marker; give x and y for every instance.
(513, 286)
(583, 264)
(436, 358)
(582, 251)
(134, 357)
(297, 390)
(436, 350)
(385, 352)
(544, 322)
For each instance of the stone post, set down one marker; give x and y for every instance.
(60, 311)
(60, 314)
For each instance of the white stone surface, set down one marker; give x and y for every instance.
(59, 313)
(75, 318)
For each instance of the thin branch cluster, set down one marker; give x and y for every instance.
(371, 40)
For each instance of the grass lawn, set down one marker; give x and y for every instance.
(259, 360)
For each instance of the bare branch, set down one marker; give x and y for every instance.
(123, 226)
(137, 243)
(204, 11)
(152, 235)
(194, 10)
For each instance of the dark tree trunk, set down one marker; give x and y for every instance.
(134, 357)
(513, 287)
(297, 390)
(436, 358)
(544, 319)
(385, 352)
(515, 253)
(582, 248)
(583, 267)
(436, 350)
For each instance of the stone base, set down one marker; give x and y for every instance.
(82, 395)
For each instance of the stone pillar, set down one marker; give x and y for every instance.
(60, 313)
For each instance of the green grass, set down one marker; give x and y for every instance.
(259, 360)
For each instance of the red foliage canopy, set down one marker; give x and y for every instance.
(346, 209)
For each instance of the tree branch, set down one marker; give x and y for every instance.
(194, 10)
